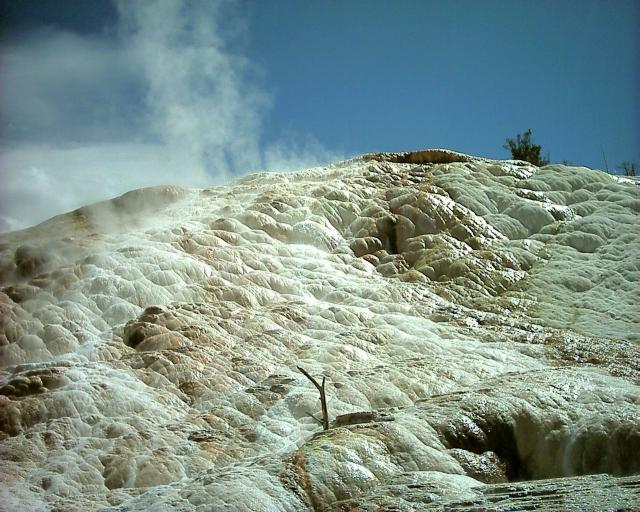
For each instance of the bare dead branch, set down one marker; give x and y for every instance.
(306, 374)
(313, 416)
(323, 398)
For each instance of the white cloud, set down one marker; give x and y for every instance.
(57, 86)
(167, 101)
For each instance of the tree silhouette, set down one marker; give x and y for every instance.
(523, 149)
(628, 168)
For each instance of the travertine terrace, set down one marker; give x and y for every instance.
(476, 322)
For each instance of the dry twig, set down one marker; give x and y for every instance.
(323, 398)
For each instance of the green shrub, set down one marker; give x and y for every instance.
(523, 149)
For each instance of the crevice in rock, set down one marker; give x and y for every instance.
(387, 233)
(583, 452)
(481, 435)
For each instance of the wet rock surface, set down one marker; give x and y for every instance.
(474, 320)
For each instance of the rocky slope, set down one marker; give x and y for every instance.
(476, 322)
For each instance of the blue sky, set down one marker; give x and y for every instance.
(101, 97)
(371, 76)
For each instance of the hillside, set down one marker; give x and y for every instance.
(476, 322)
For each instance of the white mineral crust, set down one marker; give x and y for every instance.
(476, 322)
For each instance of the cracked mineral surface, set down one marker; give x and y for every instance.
(476, 322)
